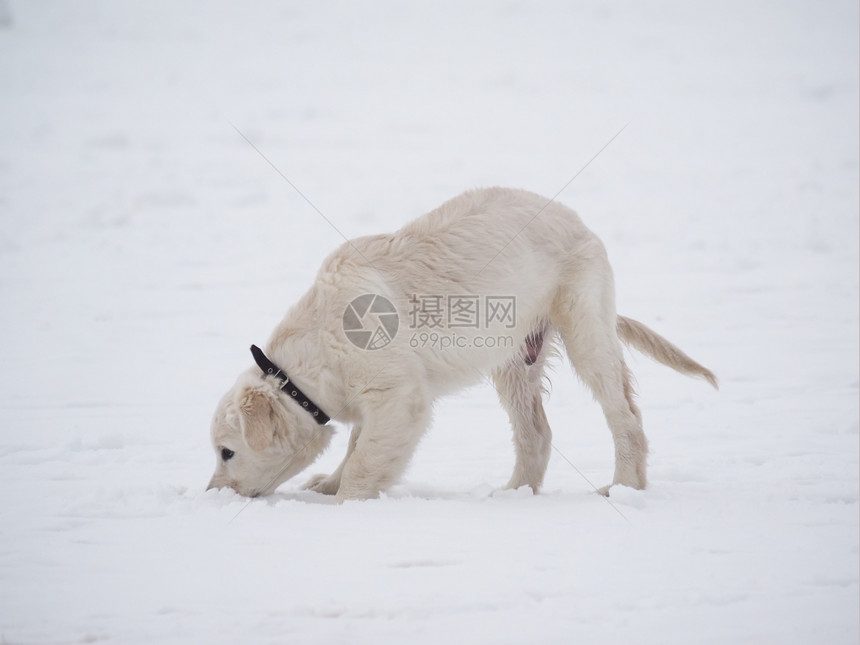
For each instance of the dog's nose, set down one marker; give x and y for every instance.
(211, 484)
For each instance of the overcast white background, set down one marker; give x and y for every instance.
(144, 245)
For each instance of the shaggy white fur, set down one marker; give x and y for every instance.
(485, 285)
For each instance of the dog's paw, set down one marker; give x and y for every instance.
(521, 492)
(604, 490)
(629, 497)
(322, 484)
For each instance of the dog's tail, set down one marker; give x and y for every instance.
(648, 342)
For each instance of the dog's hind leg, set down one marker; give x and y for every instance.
(586, 320)
(519, 385)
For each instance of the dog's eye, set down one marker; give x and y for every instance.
(227, 454)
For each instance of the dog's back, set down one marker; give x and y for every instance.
(493, 243)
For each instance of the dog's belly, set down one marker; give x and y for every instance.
(456, 359)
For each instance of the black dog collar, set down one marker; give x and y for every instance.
(288, 387)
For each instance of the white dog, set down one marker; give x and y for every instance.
(486, 284)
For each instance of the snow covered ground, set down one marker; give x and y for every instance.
(145, 245)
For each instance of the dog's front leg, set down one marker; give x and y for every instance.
(392, 426)
(330, 484)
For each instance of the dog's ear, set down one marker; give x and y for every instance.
(256, 418)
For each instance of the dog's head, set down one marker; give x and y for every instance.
(261, 437)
